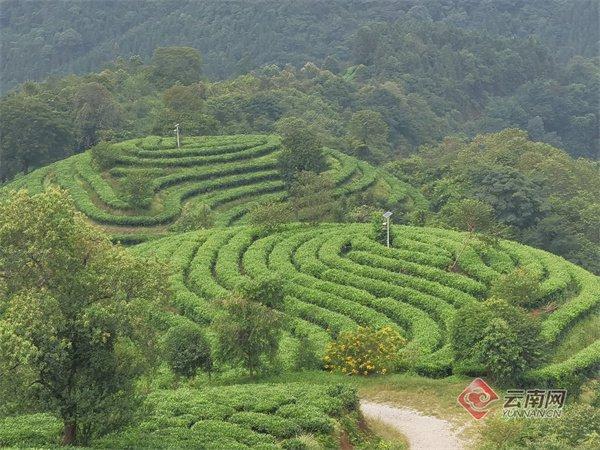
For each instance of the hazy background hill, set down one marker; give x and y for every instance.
(43, 37)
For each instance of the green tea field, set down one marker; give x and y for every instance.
(336, 278)
(229, 174)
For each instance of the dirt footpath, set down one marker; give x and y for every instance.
(422, 432)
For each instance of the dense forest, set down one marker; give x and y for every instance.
(448, 66)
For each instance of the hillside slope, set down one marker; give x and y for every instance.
(336, 277)
(230, 174)
(44, 37)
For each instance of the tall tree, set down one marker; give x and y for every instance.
(74, 309)
(95, 110)
(171, 65)
(302, 150)
(31, 134)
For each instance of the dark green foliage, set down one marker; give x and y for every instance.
(75, 330)
(312, 198)
(138, 189)
(267, 291)
(104, 155)
(469, 215)
(172, 65)
(302, 152)
(194, 216)
(32, 133)
(502, 339)
(515, 199)
(500, 353)
(186, 350)
(369, 134)
(248, 334)
(270, 214)
(519, 287)
(96, 113)
(306, 356)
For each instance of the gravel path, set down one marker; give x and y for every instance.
(422, 432)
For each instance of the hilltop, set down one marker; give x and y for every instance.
(228, 174)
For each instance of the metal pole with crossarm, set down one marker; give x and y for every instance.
(387, 215)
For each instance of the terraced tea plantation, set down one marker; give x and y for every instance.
(230, 174)
(225, 417)
(336, 278)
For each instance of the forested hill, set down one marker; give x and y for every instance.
(43, 37)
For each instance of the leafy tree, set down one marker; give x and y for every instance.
(31, 134)
(365, 44)
(195, 216)
(138, 189)
(368, 128)
(184, 105)
(515, 199)
(302, 152)
(267, 291)
(500, 352)
(75, 312)
(186, 350)
(312, 198)
(171, 65)
(519, 287)
(95, 111)
(469, 215)
(512, 336)
(248, 334)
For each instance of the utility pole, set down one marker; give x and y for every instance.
(177, 131)
(387, 215)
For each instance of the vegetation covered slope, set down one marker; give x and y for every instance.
(229, 174)
(224, 417)
(336, 277)
(239, 36)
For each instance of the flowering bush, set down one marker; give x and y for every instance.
(364, 351)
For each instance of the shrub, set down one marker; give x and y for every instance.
(248, 334)
(496, 336)
(500, 353)
(270, 214)
(267, 290)
(306, 357)
(186, 350)
(519, 287)
(194, 216)
(138, 189)
(104, 155)
(364, 351)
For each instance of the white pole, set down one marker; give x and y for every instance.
(177, 131)
(387, 216)
(388, 231)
